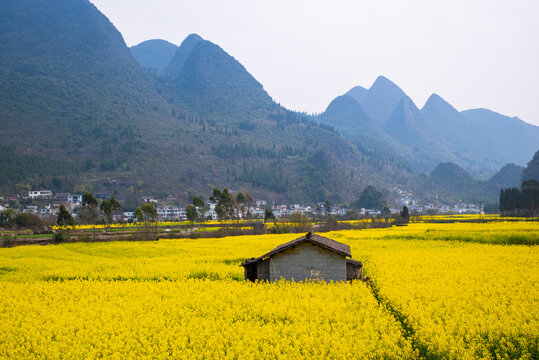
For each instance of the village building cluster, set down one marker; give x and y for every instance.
(46, 204)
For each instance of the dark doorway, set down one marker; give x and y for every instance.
(250, 272)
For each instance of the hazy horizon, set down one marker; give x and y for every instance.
(473, 54)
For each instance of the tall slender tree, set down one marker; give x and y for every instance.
(89, 205)
(64, 217)
(200, 206)
(106, 208)
(191, 213)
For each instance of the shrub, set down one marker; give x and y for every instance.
(58, 238)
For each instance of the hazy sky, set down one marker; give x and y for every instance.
(307, 52)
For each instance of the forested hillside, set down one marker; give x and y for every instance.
(80, 111)
(73, 96)
(449, 183)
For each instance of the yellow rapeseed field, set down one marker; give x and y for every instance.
(455, 291)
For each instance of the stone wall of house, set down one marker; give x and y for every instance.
(353, 272)
(263, 270)
(307, 261)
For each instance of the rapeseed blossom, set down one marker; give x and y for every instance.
(436, 291)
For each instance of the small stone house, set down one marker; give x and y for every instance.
(308, 257)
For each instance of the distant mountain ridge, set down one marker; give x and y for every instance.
(175, 63)
(480, 141)
(154, 55)
(514, 140)
(73, 96)
(510, 175)
(381, 98)
(209, 78)
(450, 183)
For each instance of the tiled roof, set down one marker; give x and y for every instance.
(354, 262)
(321, 241)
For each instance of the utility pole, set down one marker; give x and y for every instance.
(480, 209)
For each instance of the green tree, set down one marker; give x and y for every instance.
(64, 217)
(150, 212)
(192, 213)
(250, 204)
(198, 202)
(225, 207)
(115, 206)
(240, 198)
(405, 214)
(21, 220)
(139, 215)
(6, 216)
(530, 197)
(386, 212)
(220, 211)
(200, 206)
(327, 207)
(240, 204)
(106, 208)
(268, 215)
(150, 217)
(26, 220)
(370, 198)
(89, 209)
(89, 200)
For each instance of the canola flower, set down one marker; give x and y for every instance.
(195, 319)
(157, 223)
(465, 217)
(455, 291)
(459, 299)
(270, 224)
(466, 301)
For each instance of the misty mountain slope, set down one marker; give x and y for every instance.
(513, 139)
(71, 91)
(480, 141)
(407, 126)
(70, 88)
(532, 170)
(153, 55)
(347, 115)
(380, 100)
(65, 59)
(508, 176)
(399, 125)
(213, 82)
(358, 93)
(406, 123)
(174, 66)
(460, 137)
(450, 127)
(405, 134)
(213, 85)
(452, 183)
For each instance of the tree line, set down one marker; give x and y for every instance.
(520, 202)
